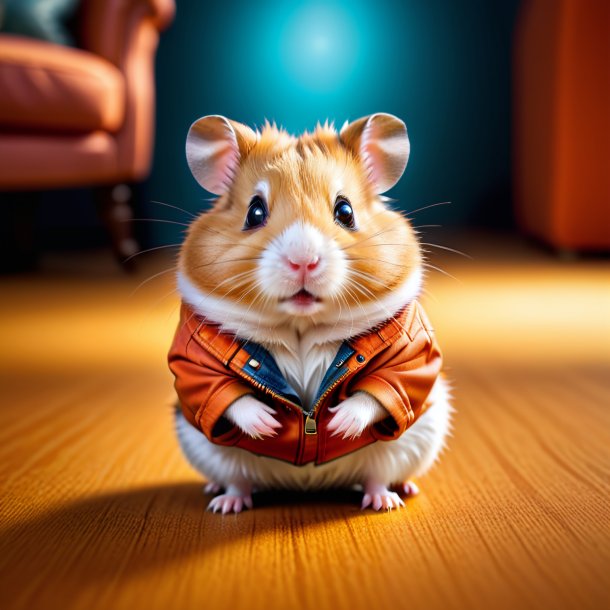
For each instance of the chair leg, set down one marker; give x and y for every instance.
(116, 210)
(19, 239)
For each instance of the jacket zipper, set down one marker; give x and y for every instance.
(281, 399)
(311, 426)
(269, 391)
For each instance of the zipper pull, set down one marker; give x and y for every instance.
(310, 425)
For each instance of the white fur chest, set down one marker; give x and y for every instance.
(304, 366)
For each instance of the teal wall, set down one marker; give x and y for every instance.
(442, 66)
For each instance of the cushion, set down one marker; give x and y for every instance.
(44, 19)
(49, 87)
(42, 161)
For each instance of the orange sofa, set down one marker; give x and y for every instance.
(82, 117)
(562, 122)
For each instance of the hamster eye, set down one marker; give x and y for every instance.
(344, 213)
(257, 213)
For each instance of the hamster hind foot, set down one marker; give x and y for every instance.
(378, 496)
(235, 498)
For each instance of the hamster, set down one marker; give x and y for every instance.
(303, 359)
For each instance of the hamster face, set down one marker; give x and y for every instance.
(299, 236)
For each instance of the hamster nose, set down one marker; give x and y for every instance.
(305, 264)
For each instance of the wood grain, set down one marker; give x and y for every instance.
(100, 511)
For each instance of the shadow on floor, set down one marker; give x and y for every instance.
(117, 534)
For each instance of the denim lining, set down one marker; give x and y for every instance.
(269, 374)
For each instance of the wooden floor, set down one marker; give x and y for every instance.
(100, 511)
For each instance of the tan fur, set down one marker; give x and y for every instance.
(221, 258)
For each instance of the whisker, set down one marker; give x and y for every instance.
(151, 278)
(385, 243)
(148, 310)
(379, 260)
(336, 300)
(341, 298)
(169, 222)
(360, 287)
(163, 298)
(151, 250)
(230, 260)
(217, 232)
(368, 276)
(375, 298)
(258, 284)
(357, 301)
(390, 315)
(427, 207)
(239, 279)
(423, 243)
(176, 306)
(377, 234)
(430, 266)
(428, 294)
(351, 328)
(209, 295)
(175, 207)
(237, 276)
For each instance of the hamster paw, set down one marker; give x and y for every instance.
(355, 414)
(233, 501)
(379, 496)
(253, 417)
(211, 488)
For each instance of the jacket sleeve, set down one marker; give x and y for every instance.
(401, 377)
(205, 386)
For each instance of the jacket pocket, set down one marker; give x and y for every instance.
(229, 437)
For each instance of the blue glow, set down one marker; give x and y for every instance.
(440, 65)
(307, 61)
(319, 47)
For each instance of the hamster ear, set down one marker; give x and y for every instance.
(214, 147)
(381, 141)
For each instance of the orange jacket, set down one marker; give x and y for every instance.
(397, 363)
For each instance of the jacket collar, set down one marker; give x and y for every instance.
(225, 346)
(257, 363)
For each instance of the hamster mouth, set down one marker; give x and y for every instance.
(303, 298)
